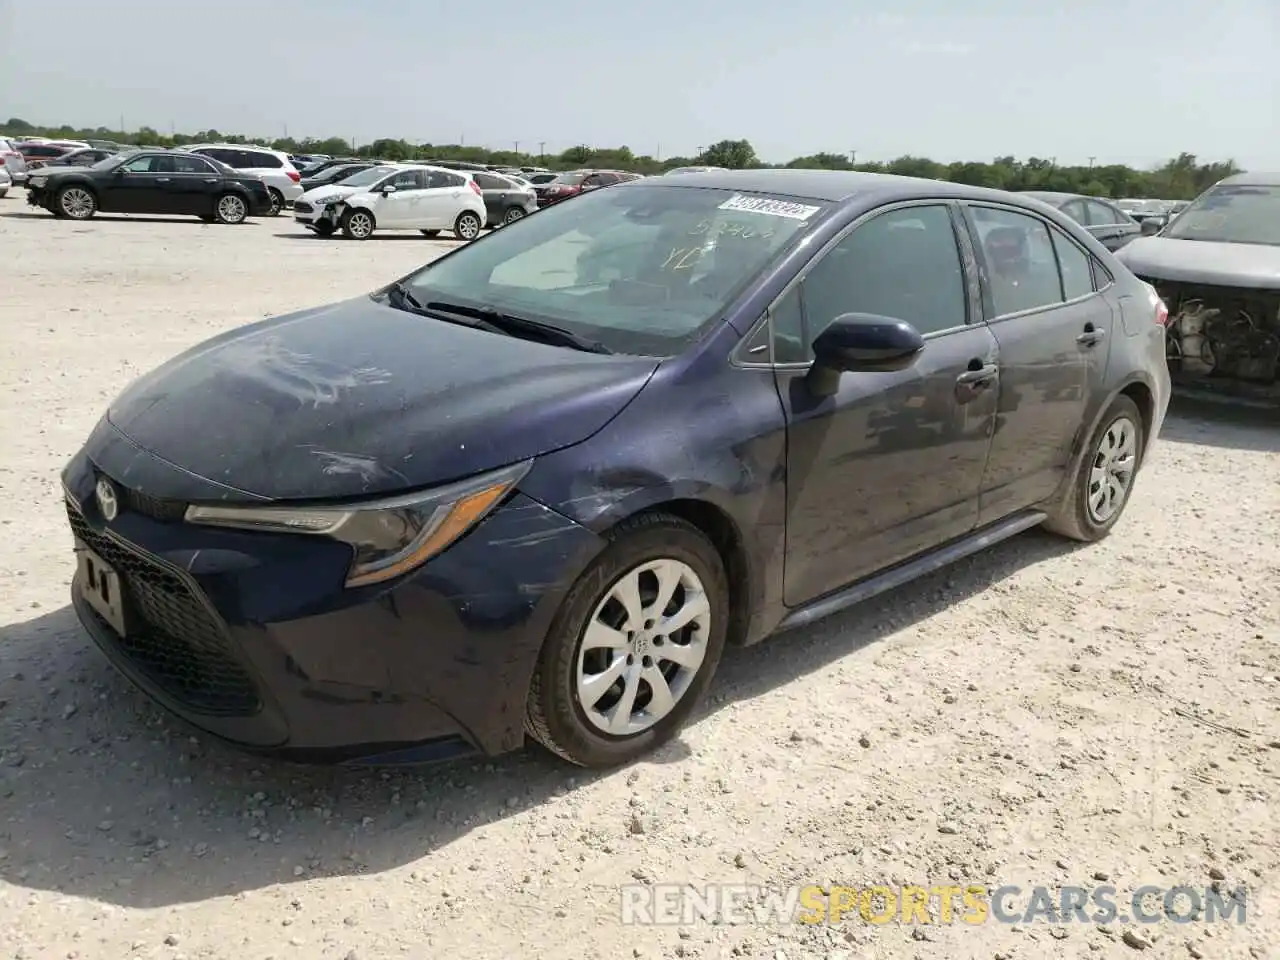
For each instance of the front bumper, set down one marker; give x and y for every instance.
(310, 214)
(252, 637)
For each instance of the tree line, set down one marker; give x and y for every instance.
(1180, 178)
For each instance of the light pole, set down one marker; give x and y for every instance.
(1091, 159)
(542, 149)
(517, 143)
(853, 158)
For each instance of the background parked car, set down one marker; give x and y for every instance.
(505, 199)
(272, 166)
(574, 182)
(14, 162)
(416, 197)
(150, 181)
(336, 173)
(694, 170)
(1112, 227)
(38, 154)
(83, 157)
(319, 166)
(6, 181)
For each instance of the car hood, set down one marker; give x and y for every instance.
(316, 194)
(47, 171)
(354, 399)
(1197, 261)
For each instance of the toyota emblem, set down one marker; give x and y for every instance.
(107, 500)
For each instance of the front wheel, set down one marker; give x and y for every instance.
(231, 209)
(78, 203)
(357, 224)
(430, 234)
(634, 646)
(1104, 482)
(324, 228)
(467, 226)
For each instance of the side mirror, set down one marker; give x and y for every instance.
(388, 189)
(1152, 225)
(861, 342)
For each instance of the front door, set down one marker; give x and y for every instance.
(400, 208)
(1053, 330)
(891, 465)
(134, 187)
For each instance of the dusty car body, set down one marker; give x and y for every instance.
(1217, 267)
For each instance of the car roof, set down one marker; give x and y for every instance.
(1052, 196)
(831, 185)
(1252, 179)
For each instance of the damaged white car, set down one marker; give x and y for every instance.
(1217, 268)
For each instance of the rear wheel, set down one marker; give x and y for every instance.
(634, 646)
(512, 215)
(277, 202)
(467, 226)
(76, 202)
(231, 209)
(358, 224)
(1104, 482)
(430, 234)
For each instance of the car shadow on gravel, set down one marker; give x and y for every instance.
(122, 218)
(1220, 423)
(105, 796)
(308, 235)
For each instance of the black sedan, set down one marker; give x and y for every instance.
(150, 181)
(1112, 227)
(499, 497)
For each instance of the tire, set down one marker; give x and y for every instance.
(430, 234)
(4, 192)
(467, 226)
(1104, 483)
(76, 202)
(557, 716)
(512, 215)
(208, 218)
(231, 209)
(358, 224)
(324, 228)
(277, 202)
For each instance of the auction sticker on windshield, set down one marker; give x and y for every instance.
(772, 208)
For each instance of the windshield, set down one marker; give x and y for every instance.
(111, 162)
(643, 270)
(367, 178)
(1231, 214)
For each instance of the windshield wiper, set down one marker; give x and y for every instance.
(402, 298)
(487, 318)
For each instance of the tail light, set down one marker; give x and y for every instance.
(475, 187)
(1162, 313)
(295, 176)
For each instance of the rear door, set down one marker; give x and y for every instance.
(443, 199)
(1053, 330)
(892, 464)
(191, 185)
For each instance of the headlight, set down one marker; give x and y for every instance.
(389, 537)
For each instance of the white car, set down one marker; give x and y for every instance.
(317, 208)
(6, 181)
(415, 197)
(273, 167)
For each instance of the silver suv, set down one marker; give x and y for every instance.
(14, 162)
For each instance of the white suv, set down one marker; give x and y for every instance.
(274, 168)
(414, 197)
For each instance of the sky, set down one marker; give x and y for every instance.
(1122, 81)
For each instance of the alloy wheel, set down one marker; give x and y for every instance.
(514, 214)
(1111, 476)
(642, 647)
(360, 225)
(231, 209)
(77, 203)
(468, 226)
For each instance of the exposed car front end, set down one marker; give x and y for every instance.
(319, 209)
(339, 563)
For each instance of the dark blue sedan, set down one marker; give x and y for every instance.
(539, 485)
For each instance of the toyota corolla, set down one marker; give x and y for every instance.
(536, 487)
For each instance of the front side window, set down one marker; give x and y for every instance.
(903, 264)
(1231, 213)
(1022, 268)
(1076, 211)
(405, 180)
(643, 270)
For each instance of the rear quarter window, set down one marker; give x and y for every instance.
(257, 160)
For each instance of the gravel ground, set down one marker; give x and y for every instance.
(1037, 715)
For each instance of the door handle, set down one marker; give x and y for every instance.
(210, 179)
(162, 179)
(1091, 336)
(979, 376)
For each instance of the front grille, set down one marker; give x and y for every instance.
(177, 642)
(301, 206)
(135, 501)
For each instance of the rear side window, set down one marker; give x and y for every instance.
(256, 159)
(1022, 267)
(37, 151)
(487, 181)
(903, 264)
(222, 156)
(1100, 214)
(1077, 278)
(191, 165)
